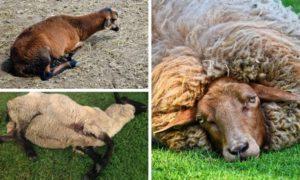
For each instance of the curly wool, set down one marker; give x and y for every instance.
(230, 38)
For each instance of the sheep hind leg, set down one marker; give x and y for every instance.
(44, 64)
(90, 152)
(139, 107)
(102, 162)
(26, 145)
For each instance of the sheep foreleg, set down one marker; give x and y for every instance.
(100, 163)
(6, 138)
(75, 49)
(60, 68)
(26, 145)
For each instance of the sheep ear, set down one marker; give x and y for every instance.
(274, 94)
(182, 118)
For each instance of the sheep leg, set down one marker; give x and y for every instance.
(6, 138)
(66, 65)
(75, 49)
(26, 145)
(139, 107)
(90, 152)
(101, 163)
(45, 64)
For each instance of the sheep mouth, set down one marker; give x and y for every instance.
(241, 157)
(116, 29)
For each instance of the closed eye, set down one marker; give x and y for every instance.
(252, 99)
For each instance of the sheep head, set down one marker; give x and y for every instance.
(233, 118)
(231, 114)
(111, 17)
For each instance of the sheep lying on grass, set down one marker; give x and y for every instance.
(197, 43)
(56, 121)
(38, 47)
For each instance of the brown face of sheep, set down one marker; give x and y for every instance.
(111, 18)
(233, 118)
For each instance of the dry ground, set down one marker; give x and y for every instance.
(106, 58)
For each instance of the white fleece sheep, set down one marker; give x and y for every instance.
(56, 121)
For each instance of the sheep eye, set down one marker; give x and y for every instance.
(200, 119)
(252, 99)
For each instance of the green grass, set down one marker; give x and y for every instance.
(199, 164)
(129, 160)
(295, 4)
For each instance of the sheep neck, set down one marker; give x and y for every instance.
(88, 24)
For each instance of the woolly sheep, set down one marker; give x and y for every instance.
(55, 121)
(196, 42)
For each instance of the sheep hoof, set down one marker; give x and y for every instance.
(139, 107)
(33, 158)
(86, 177)
(46, 76)
(73, 63)
(32, 155)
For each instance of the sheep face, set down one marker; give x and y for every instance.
(233, 119)
(111, 18)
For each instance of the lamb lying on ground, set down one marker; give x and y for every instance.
(56, 121)
(37, 47)
(198, 42)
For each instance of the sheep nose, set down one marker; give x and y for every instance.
(239, 148)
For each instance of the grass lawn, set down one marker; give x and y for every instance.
(129, 161)
(294, 3)
(199, 164)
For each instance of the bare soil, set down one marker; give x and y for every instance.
(107, 57)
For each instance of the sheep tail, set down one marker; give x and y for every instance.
(102, 162)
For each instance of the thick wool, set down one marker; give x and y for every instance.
(56, 121)
(197, 41)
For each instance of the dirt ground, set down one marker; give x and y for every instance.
(107, 58)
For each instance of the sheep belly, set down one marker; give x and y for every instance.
(48, 134)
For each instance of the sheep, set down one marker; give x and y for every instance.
(197, 42)
(37, 48)
(55, 121)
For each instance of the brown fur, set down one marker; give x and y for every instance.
(230, 112)
(38, 45)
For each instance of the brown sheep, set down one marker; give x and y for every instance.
(230, 113)
(55, 121)
(38, 46)
(198, 42)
